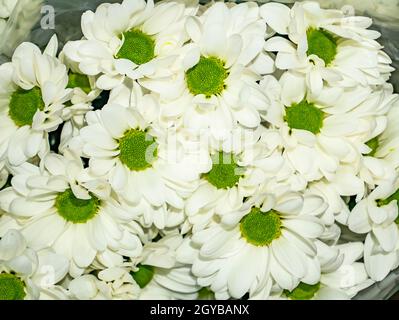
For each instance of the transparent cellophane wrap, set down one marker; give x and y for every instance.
(31, 20)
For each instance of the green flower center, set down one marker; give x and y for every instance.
(11, 287)
(24, 104)
(77, 80)
(322, 44)
(373, 144)
(76, 210)
(137, 47)
(138, 150)
(206, 294)
(384, 202)
(225, 172)
(144, 275)
(207, 77)
(303, 291)
(304, 116)
(261, 228)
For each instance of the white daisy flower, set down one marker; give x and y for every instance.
(146, 166)
(153, 275)
(160, 276)
(216, 87)
(135, 39)
(325, 136)
(111, 284)
(326, 45)
(24, 273)
(270, 242)
(377, 216)
(342, 277)
(79, 218)
(32, 96)
(237, 170)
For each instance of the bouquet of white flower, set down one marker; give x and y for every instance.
(226, 151)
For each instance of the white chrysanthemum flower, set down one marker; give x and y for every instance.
(111, 284)
(6, 8)
(147, 166)
(326, 45)
(160, 276)
(135, 39)
(342, 277)
(270, 242)
(216, 88)
(236, 171)
(153, 275)
(325, 136)
(377, 216)
(32, 96)
(78, 219)
(24, 273)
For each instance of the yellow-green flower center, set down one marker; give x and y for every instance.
(303, 291)
(11, 287)
(207, 77)
(137, 47)
(322, 44)
(143, 275)
(206, 294)
(304, 116)
(24, 104)
(373, 144)
(138, 150)
(260, 228)
(225, 172)
(76, 210)
(77, 80)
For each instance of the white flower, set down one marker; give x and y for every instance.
(134, 39)
(77, 219)
(24, 273)
(326, 45)
(342, 277)
(147, 166)
(160, 276)
(285, 254)
(32, 96)
(325, 136)
(376, 216)
(237, 170)
(216, 88)
(111, 284)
